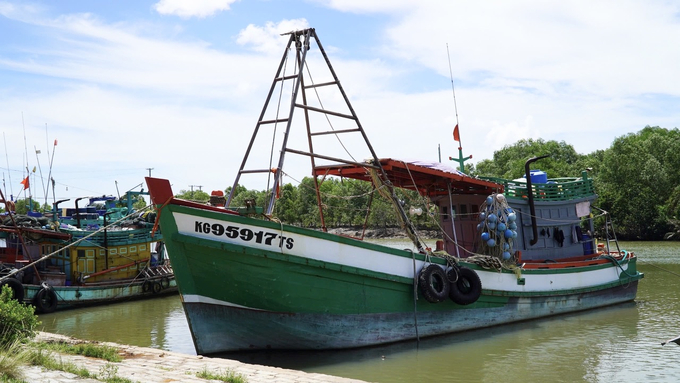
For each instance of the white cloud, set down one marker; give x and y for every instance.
(138, 95)
(192, 8)
(268, 38)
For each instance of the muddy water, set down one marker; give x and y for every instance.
(615, 344)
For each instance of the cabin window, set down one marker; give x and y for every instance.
(81, 253)
(475, 212)
(464, 212)
(445, 213)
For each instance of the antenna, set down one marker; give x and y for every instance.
(456, 134)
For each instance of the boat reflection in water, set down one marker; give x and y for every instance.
(158, 323)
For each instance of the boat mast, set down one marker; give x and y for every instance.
(302, 39)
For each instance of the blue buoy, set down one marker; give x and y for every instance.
(489, 200)
(512, 217)
(492, 217)
(485, 236)
(482, 216)
(501, 226)
(491, 225)
(509, 233)
(491, 242)
(506, 255)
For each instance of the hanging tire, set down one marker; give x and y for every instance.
(16, 287)
(165, 282)
(433, 284)
(45, 301)
(157, 287)
(465, 286)
(146, 286)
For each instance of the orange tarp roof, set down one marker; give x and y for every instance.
(430, 178)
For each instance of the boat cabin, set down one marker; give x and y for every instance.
(551, 216)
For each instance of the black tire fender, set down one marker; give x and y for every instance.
(165, 282)
(465, 285)
(433, 284)
(16, 287)
(157, 287)
(146, 286)
(45, 301)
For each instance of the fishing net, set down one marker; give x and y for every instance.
(497, 228)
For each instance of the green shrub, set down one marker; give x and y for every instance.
(17, 321)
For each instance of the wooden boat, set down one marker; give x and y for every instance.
(511, 250)
(59, 266)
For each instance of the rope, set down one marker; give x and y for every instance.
(156, 222)
(660, 268)
(415, 295)
(318, 98)
(413, 235)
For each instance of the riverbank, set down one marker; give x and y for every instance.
(150, 365)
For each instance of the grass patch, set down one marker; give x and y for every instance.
(86, 349)
(228, 376)
(41, 358)
(109, 374)
(13, 357)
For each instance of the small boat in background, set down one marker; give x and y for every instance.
(84, 259)
(510, 250)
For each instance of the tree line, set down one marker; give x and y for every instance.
(637, 180)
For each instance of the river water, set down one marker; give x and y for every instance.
(616, 344)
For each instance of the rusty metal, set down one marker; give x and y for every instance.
(301, 40)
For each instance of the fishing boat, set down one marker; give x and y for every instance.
(83, 260)
(510, 250)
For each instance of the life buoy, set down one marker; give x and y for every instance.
(465, 286)
(433, 283)
(146, 286)
(165, 282)
(45, 301)
(157, 287)
(16, 287)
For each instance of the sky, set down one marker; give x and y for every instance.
(97, 95)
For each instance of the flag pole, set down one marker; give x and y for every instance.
(456, 133)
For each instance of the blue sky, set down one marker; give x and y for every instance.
(177, 85)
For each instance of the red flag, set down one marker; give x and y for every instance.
(456, 135)
(55, 142)
(25, 183)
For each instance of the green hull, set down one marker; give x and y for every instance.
(239, 296)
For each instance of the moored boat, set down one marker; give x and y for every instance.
(58, 265)
(511, 250)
